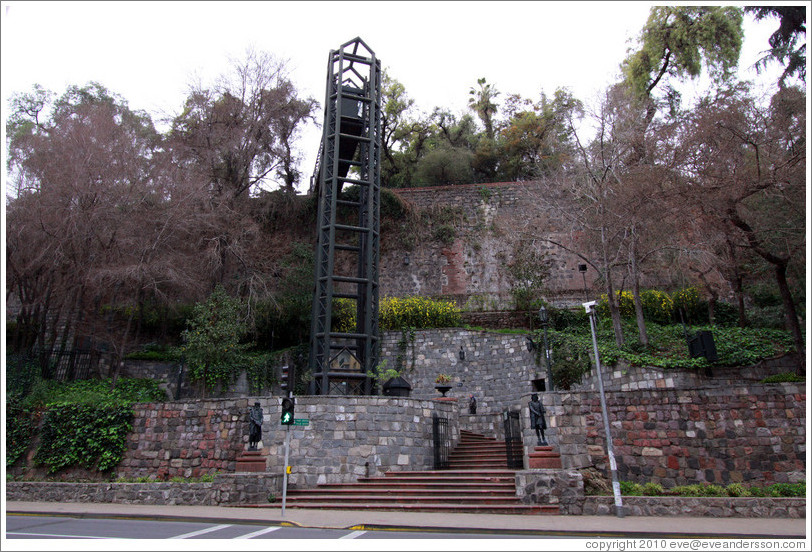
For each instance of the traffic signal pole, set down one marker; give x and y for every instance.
(285, 475)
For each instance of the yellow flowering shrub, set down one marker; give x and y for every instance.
(417, 312)
(396, 313)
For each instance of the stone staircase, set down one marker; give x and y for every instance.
(477, 481)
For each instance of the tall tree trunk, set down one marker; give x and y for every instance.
(736, 280)
(638, 303)
(791, 316)
(780, 264)
(614, 312)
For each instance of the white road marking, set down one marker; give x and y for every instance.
(201, 532)
(258, 533)
(353, 535)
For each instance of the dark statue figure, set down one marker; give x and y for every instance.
(537, 421)
(472, 405)
(254, 426)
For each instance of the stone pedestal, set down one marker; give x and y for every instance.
(544, 458)
(251, 461)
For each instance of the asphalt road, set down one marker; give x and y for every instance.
(63, 527)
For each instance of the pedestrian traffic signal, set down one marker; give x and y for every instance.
(287, 411)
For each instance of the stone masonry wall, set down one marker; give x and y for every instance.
(186, 439)
(346, 437)
(472, 269)
(350, 437)
(716, 507)
(719, 434)
(239, 488)
(498, 369)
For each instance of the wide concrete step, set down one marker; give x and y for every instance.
(508, 509)
(417, 485)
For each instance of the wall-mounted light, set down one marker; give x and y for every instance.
(462, 353)
(407, 260)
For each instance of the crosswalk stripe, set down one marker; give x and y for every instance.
(260, 532)
(353, 535)
(201, 532)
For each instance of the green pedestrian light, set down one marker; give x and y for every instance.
(287, 411)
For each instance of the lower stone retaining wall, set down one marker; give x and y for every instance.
(346, 437)
(240, 488)
(719, 434)
(562, 487)
(717, 507)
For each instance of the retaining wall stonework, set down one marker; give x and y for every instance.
(498, 370)
(490, 222)
(717, 507)
(722, 434)
(239, 488)
(346, 437)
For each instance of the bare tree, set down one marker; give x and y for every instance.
(239, 133)
(98, 225)
(748, 165)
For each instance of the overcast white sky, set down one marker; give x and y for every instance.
(148, 51)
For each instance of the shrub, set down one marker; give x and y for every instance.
(570, 361)
(211, 343)
(561, 319)
(657, 306)
(786, 489)
(756, 492)
(629, 488)
(693, 308)
(84, 423)
(20, 427)
(344, 315)
(83, 435)
(652, 489)
(625, 303)
(785, 377)
(156, 353)
(699, 489)
(417, 312)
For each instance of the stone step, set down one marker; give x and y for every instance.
(484, 454)
(400, 491)
(453, 475)
(462, 464)
(367, 498)
(414, 482)
(544, 457)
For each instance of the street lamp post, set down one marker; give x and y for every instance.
(544, 317)
(610, 449)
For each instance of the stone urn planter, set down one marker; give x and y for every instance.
(443, 388)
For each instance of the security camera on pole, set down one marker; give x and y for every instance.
(590, 310)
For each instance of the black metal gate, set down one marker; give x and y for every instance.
(441, 442)
(513, 440)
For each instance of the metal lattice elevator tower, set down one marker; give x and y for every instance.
(347, 180)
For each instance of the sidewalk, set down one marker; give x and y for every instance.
(570, 526)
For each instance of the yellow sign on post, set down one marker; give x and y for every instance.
(287, 470)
